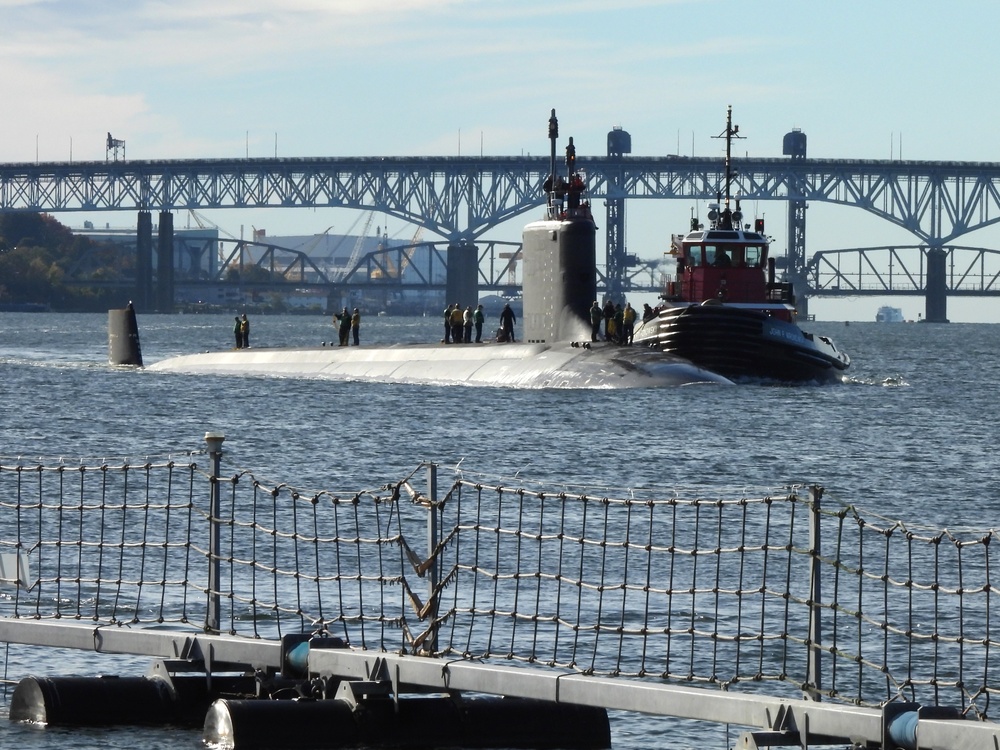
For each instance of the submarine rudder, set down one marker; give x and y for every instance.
(123, 337)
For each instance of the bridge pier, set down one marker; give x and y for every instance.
(143, 296)
(619, 144)
(794, 146)
(462, 282)
(936, 296)
(165, 264)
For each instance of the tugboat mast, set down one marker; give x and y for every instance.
(730, 133)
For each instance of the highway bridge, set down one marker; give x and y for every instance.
(462, 198)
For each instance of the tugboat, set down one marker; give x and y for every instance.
(724, 310)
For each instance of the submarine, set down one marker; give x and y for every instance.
(559, 262)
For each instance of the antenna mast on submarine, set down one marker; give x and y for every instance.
(550, 183)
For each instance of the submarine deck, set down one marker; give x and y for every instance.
(531, 365)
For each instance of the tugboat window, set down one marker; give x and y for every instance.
(718, 256)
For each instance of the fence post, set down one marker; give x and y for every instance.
(814, 673)
(212, 617)
(432, 543)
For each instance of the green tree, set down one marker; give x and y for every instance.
(37, 254)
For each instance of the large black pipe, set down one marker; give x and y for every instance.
(92, 701)
(121, 701)
(412, 723)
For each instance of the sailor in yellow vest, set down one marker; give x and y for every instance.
(628, 323)
(355, 325)
(457, 324)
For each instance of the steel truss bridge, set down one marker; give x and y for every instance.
(426, 266)
(463, 198)
(903, 270)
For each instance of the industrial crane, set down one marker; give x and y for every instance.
(356, 252)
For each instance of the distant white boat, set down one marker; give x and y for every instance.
(888, 314)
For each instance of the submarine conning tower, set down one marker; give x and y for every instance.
(560, 257)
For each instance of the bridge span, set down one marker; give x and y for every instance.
(462, 198)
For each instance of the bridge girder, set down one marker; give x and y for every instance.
(461, 198)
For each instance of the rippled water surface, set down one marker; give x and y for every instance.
(911, 436)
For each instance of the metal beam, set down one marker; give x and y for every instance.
(779, 716)
(463, 197)
(160, 644)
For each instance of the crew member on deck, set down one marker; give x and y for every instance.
(457, 323)
(245, 331)
(628, 323)
(356, 325)
(596, 316)
(238, 333)
(467, 324)
(609, 317)
(344, 325)
(447, 325)
(479, 317)
(507, 320)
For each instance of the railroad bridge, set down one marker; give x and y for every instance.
(461, 199)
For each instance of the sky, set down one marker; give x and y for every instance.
(229, 78)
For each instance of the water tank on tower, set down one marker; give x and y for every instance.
(795, 144)
(619, 142)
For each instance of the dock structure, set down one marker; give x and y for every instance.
(801, 620)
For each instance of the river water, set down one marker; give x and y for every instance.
(911, 435)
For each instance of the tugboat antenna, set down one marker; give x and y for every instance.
(730, 133)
